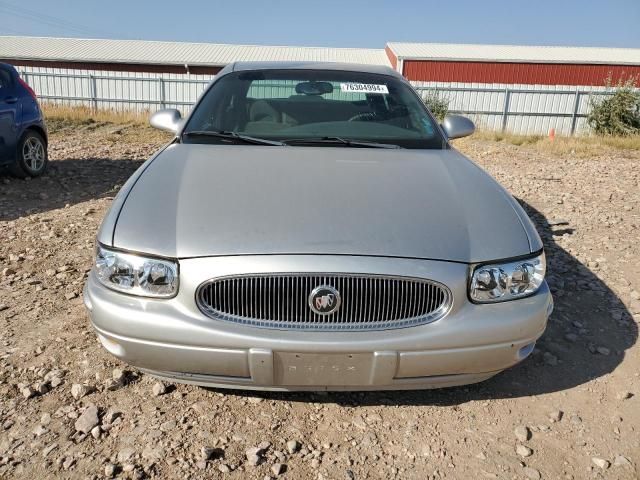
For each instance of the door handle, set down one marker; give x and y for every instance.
(11, 99)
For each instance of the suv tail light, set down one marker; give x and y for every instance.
(29, 89)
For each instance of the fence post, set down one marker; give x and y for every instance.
(574, 116)
(162, 92)
(92, 91)
(505, 112)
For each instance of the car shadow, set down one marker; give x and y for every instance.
(586, 338)
(66, 182)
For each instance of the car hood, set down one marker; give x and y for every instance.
(207, 200)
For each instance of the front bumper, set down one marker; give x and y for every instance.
(174, 340)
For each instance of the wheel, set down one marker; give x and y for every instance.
(32, 156)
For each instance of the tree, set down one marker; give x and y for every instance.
(617, 114)
(437, 105)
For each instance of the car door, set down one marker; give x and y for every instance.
(8, 115)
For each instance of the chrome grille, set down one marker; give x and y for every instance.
(368, 302)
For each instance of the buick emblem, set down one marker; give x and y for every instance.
(324, 300)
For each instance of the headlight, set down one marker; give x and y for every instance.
(125, 272)
(507, 281)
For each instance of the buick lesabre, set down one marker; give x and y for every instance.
(310, 227)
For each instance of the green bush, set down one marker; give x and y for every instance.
(437, 105)
(618, 114)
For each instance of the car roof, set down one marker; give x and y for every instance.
(8, 66)
(346, 67)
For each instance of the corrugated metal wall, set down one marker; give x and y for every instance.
(516, 73)
(138, 91)
(518, 108)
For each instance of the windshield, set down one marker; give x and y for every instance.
(313, 107)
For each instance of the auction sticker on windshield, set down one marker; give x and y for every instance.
(363, 88)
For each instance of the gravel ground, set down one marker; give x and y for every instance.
(572, 410)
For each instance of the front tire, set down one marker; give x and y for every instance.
(32, 157)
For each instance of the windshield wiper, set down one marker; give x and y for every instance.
(338, 140)
(233, 136)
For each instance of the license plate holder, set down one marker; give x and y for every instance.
(322, 369)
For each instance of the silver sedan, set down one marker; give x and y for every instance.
(310, 227)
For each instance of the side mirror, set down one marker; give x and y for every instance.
(168, 119)
(457, 126)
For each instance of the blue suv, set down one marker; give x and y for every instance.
(23, 133)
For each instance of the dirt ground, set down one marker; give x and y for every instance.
(570, 411)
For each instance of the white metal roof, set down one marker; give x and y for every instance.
(173, 53)
(515, 53)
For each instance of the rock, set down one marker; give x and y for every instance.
(55, 382)
(87, 420)
(224, 468)
(126, 454)
(255, 454)
(209, 453)
(603, 351)
(8, 271)
(109, 470)
(278, 469)
(45, 419)
(49, 449)
(168, 426)
(159, 389)
(601, 463)
(111, 415)
(621, 461)
(41, 388)
(113, 385)
(522, 433)
(118, 375)
(523, 451)
(39, 431)
(28, 392)
(95, 432)
(79, 390)
(555, 416)
(70, 295)
(252, 457)
(293, 446)
(315, 463)
(624, 395)
(531, 473)
(68, 463)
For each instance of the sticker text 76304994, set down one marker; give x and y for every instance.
(363, 88)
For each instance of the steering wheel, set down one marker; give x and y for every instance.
(364, 117)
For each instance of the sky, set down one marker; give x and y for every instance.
(331, 23)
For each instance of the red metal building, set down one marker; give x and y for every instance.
(430, 62)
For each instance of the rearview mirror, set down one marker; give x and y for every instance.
(168, 120)
(457, 126)
(314, 88)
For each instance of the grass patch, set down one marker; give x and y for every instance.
(115, 125)
(88, 116)
(578, 145)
